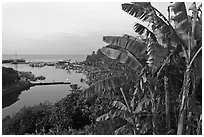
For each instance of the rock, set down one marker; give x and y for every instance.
(74, 86)
(41, 78)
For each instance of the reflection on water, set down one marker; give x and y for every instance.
(9, 99)
(39, 94)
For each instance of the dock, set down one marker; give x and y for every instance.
(48, 83)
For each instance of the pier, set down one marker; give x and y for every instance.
(48, 83)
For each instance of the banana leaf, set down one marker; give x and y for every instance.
(122, 56)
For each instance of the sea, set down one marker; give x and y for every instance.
(12, 103)
(46, 57)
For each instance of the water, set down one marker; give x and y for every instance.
(40, 94)
(46, 57)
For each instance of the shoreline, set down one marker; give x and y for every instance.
(17, 87)
(26, 78)
(25, 82)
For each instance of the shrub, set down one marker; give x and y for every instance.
(28, 120)
(9, 76)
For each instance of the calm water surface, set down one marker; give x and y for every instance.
(40, 94)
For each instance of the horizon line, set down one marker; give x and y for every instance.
(46, 54)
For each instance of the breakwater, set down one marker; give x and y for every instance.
(49, 83)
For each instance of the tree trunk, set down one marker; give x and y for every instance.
(182, 111)
(167, 103)
(125, 99)
(154, 113)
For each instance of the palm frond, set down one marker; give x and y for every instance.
(178, 6)
(149, 13)
(142, 30)
(103, 117)
(159, 23)
(142, 4)
(106, 84)
(126, 115)
(119, 105)
(139, 10)
(128, 128)
(162, 31)
(134, 46)
(157, 54)
(181, 17)
(122, 56)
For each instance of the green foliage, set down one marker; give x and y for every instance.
(122, 57)
(70, 112)
(70, 115)
(133, 45)
(9, 76)
(155, 107)
(28, 120)
(94, 58)
(156, 55)
(137, 86)
(106, 84)
(180, 18)
(142, 30)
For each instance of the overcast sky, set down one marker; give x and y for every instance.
(63, 28)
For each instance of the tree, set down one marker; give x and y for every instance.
(162, 47)
(9, 76)
(191, 31)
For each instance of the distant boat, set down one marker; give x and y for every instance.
(64, 61)
(16, 61)
(61, 61)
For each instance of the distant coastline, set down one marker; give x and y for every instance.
(47, 57)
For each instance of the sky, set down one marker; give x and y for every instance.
(63, 28)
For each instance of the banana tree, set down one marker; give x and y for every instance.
(130, 115)
(186, 32)
(161, 35)
(148, 57)
(190, 29)
(132, 52)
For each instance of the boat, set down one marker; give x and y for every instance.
(61, 61)
(16, 61)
